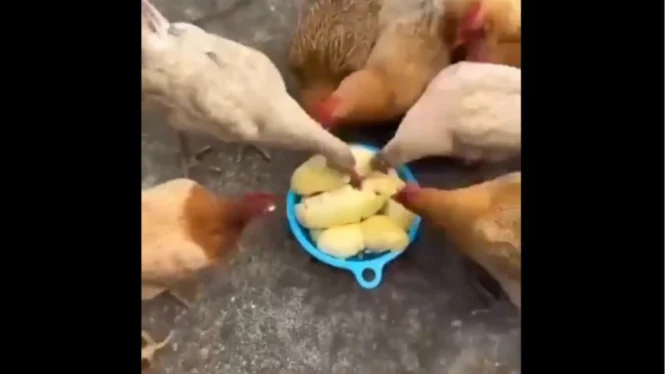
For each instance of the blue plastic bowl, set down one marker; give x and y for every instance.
(374, 262)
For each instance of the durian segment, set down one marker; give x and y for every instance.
(384, 184)
(339, 207)
(315, 234)
(363, 158)
(314, 176)
(381, 234)
(342, 241)
(399, 214)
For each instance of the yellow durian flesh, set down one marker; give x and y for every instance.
(384, 184)
(339, 207)
(399, 214)
(363, 158)
(314, 175)
(315, 234)
(341, 241)
(380, 233)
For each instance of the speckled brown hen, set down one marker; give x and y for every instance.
(407, 55)
(334, 38)
(186, 228)
(487, 30)
(484, 221)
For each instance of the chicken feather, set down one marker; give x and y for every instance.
(484, 220)
(213, 85)
(185, 228)
(407, 55)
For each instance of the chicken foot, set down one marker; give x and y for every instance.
(244, 149)
(187, 160)
(151, 347)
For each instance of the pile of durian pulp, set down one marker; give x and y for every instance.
(345, 221)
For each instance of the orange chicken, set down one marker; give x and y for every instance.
(488, 30)
(408, 54)
(185, 228)
(483, 220)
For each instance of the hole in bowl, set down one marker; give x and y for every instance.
(368, 275)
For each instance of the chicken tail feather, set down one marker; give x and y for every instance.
(152, 20)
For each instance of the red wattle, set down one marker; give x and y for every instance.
(324, 112)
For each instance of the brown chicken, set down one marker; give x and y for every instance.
(483, 220)
(487, 30)
(407, 55)
(185, 228)
(334, 38)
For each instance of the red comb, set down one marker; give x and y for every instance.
(324, 111)
(472, 21)
(403, 195)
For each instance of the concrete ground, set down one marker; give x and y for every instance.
(276, 311)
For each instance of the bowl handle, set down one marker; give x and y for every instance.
(360, 270)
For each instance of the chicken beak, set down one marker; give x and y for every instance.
(325, 112)
(406, 193)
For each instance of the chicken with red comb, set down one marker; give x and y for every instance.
(484, 221)
(185, 228)
(333, 39)
(488, 30)
(407, 54)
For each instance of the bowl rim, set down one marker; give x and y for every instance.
(357, 267)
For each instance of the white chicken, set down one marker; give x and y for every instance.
(209, 84)
(470, 110)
